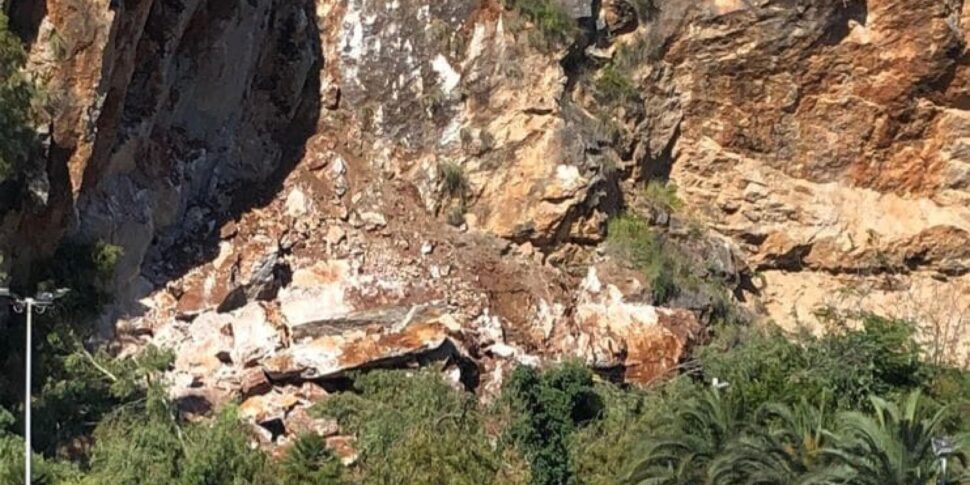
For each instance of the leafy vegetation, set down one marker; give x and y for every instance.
(77, 386)
(148, 445)
(846, 366)
(455, 186)
(454, 181)
(808, 411)
(631, 238)
(720, 440)
(614, 86)
(663, 195)
(546, 408)
(17, 140)
(554, 27)
(310, 463)
(414, 428)
(678, 272)
(794, 410)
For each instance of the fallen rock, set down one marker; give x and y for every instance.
(254, 382)
(331, 356)
(299, 422)
(643, 342)
(268, 407)
(254, 336)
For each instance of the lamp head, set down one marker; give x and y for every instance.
(942, 446)
(49, 296)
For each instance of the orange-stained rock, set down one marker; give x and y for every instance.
(254, 382)
(334, 355)
(273, 173)
(644, 342)
(268, 407)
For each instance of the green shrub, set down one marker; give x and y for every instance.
(414, 428)
(881, 358)
(773, 423)
(137, 446)
(79, 388)
(601, 451)
(454, 182)
(614, 86)
(310, 463)
(146, 444)
(546, 408)
(554, 27)
(663, 195)
(43, 471)
(18, 142)
(632, 239)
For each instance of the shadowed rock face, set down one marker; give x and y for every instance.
(286, 177)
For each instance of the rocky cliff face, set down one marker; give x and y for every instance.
(306, 188)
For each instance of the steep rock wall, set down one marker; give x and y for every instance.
(307, 188)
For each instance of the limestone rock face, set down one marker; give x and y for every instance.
(824, 139)
(308, 188)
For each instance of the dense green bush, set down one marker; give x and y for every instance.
(632, 238)
(554, 27)
(545, 409)
(849, 365)
(414, 428)
(146, 444)
(663, 195)
(601, 451)
(12, 459)
(790, 414)
(804, 409)
(17, 140)
(614, 87)
(310, 463)
(76, 386)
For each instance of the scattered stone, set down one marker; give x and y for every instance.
(335, 235)
(296, 203)
(344, 447)
(299, 422)
(373, 220)
(228, 230)
(254, 382)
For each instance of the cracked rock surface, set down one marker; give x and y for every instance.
(280, 176)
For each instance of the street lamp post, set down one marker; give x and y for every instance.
(942, 447)
(41, 302)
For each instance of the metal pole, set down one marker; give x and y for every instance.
(27, 448)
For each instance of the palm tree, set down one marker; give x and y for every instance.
(893, 445)
(784, 448)
(695, 436)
